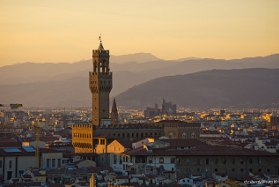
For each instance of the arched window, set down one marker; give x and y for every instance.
(193, 135)
(161, 160)
(170, 135)
(172, 160)
(184, 135)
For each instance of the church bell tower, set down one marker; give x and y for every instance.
(100, 84)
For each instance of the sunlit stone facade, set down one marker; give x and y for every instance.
(82, 138)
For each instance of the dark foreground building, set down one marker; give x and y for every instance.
(186, 157)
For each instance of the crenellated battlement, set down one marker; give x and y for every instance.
(100, 51)
(131, 126)
(100, 73)
(82, 126)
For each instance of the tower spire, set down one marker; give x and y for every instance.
(114, 113)
(100, 38)
(101, 47)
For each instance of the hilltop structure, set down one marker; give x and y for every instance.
(167, 108)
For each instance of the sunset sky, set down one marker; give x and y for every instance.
(67, 30)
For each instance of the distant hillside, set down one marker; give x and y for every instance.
(137, 57)
(215, 88)
(72, 92)
(20, 81)
(125, 75)
(208, 89)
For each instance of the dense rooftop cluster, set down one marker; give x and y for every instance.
(233, 149)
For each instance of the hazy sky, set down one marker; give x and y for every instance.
(67, 30)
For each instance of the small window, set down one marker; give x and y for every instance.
(193, 135)
(59, 162)
(161, 160)
(48, 163)
(53, 163)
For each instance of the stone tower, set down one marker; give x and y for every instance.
(114, 114)
(100, 84)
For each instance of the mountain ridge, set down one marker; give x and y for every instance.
(125, 76)
(206, 89)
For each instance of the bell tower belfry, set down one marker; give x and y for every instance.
(100, 84)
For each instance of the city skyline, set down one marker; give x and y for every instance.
(66, 31)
